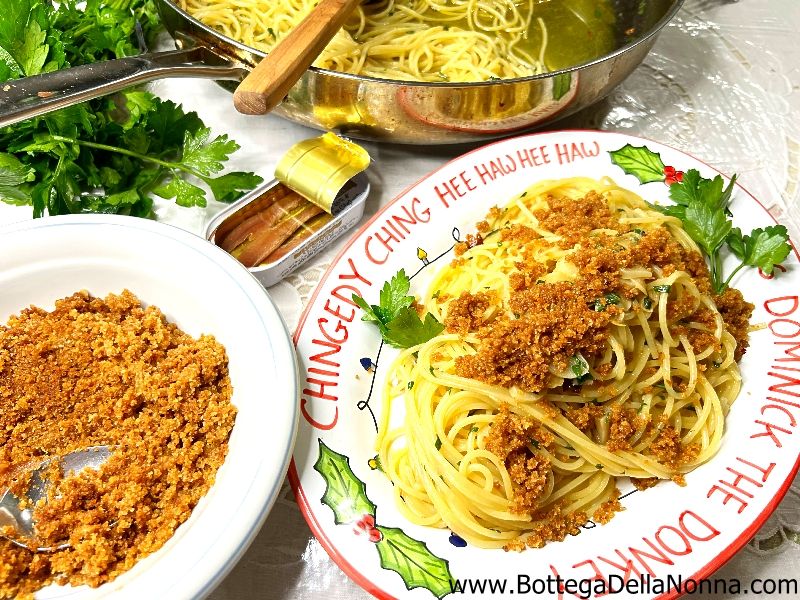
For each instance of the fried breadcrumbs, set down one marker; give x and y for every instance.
(526, 337)
(107, 372)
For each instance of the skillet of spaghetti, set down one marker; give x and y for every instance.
(583, 346)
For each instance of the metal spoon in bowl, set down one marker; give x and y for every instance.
(22, 519)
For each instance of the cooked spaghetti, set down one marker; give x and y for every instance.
(417, 40)
(582, 345)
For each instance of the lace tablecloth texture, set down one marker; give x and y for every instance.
(722, 83)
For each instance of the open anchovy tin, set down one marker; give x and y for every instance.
(270, 272)
(319, 193)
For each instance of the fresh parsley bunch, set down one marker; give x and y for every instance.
(702, 205)
(396, 317)
(111, 154)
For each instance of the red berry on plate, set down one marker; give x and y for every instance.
(671, 175)
(362, 524)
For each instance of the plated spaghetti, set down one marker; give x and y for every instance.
(582, 345)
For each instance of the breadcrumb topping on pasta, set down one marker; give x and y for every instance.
(546, 323)
(582, 347)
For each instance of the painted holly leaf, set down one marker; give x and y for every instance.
(345, 494)
(639, 161)
(412, 560)
(561, 85)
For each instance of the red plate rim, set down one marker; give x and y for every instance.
(294, 479)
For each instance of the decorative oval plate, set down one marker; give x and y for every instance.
(665, 533)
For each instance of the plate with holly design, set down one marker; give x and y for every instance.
(668, 539)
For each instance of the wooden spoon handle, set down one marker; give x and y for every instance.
(267, 85)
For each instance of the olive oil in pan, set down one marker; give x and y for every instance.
(578, 31)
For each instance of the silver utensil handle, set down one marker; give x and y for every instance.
(29, 97)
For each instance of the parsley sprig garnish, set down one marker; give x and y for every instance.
(702, 205)
(396, 317)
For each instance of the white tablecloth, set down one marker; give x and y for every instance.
(722, 83)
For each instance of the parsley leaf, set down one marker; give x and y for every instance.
(396, 317)
(370, 316)
(707, 225)
(407, 329)
(702, 205)
(763, 248)
(185, 193)
(33, 52)
(132, 106)
(227, 188)
(394, 294)
(9, 69)
(735, 241)
(204, 156)
(688, 190)
(170, 124)
(694, 188)
(578, 365)
(13, 177)
(23, 38)
(608, 299)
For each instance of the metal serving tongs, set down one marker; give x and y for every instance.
(29, 97)
(262, 90)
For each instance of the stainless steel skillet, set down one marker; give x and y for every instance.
(354, 105)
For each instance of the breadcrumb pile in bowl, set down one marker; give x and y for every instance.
(107, 372)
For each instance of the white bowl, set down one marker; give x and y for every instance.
(203, 290)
